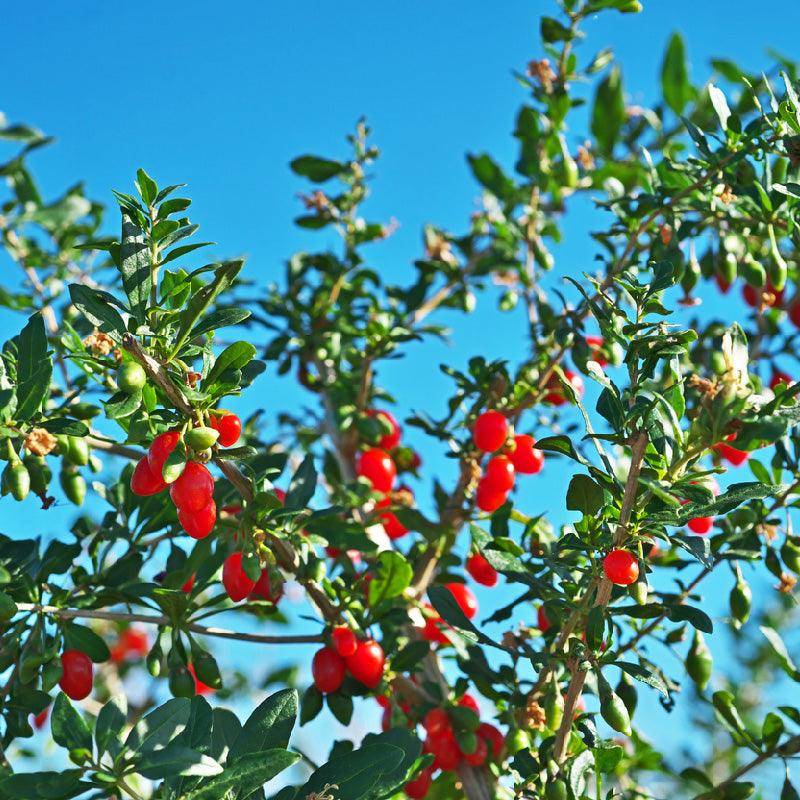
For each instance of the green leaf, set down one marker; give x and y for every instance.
(176, 760)
(393, 578)
(559, 444)
(584, 495)
(644, 675)
(225, 731)
(694, 616)
(245, 776)
(781, 651)
(160, 726)
(96, 306)
(697, 546)
(148, 188)
(491, 176)
(79, 637)
(234, 356)
(68, 726)
(448, 609)
(67, 427)
(311, 704)
(34, 368)
(577, 772)
(268, 727)
(135, 266)
(675, 76)
(608, 113)
(341, 706)
(110, 722)
(607, 757)
(221, 318)
(553, 31)
(302, 485)
(43, 785)
(317, 169)
(727, 713)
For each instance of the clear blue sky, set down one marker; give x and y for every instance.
(222, 98)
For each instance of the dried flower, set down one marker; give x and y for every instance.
(40, 442)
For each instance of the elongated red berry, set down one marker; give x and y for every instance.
(377, 467)
(235, 580)
(499, 473)
(621, 567)
(76, 680)
(541, 619)
(229, 427)
(328, 670)
(527, 460)
(366, 664)
(198, 524)
(490, 431)
(767, 295)
(344, 641)
(465, 598)
(489, 498)
(493, 737)
(432, 630)
(731, 454)
(160, 449)
(437, 722)
(389, 440)
(596, 345)
(445, 750)
(194, 488)
(556, 395)
(267, 589)
(188, 586)
(144, 482)
(418, 788)
(481, 570)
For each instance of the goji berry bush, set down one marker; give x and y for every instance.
(678, 442)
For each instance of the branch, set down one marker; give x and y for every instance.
(160, 619)
(97, 442)
(788, 748)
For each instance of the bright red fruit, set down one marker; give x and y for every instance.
(779, 378)
(556, 395)
(144, 481)
(700, 525)
(194, 489)
(437, 723)
(327, 669)
(755, 296)
(344, 640)
(596, 345)
(621, 567)
(541, 619)
(377, 467)
(41, 718)
(723, 285)
(235, 579)
(499, 473)
(526, 459)
(198, 524)
(76, 681)
(433, 627)
(160, 449)
(263, 588)
(492, 737)
(794, 312)
(418, 788)
(389, 440)
(132, 641)
(465, 598)
(731, 454)
(366, 664)
(445, 750)
(488, 498)
(391, 524)
(490, 431)
(188, 586)
(229, 427)
(479, 756)
(481, 570)
(468, 701)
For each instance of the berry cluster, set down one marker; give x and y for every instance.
(362, 658)
(491, 434)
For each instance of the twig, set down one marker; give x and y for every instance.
(160, 619)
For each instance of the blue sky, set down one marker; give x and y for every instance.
(222, 98)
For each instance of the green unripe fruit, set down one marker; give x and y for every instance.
(131, 378)
(40, 473)
(84, 411)
(638, 590)
(699, 663)
(753, 271)
(17, 479)
(201, 438)
(741, 600)
(790, 553)
(78, 452)
(569, 169)
(553, 706)
(517, 740)
(206, 669)
(626, 692)
(181, 683)
(691, 275)
(613, 711)
(154, 658)
(728, 268)
(74, 485)
(555, 790)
